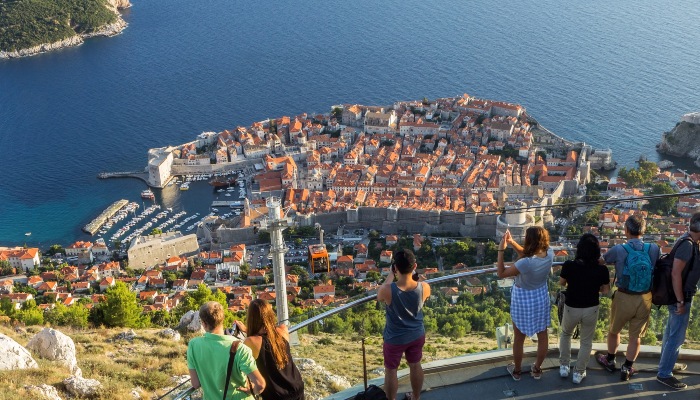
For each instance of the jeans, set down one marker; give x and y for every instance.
(572, 316)
(674, 336)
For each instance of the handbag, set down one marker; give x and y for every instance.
(229, 370)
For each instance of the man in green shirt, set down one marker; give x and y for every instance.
(208, 355)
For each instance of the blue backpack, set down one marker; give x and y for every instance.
(638, 270)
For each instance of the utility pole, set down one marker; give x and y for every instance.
(275, 224)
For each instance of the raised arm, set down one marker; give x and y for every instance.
(501, 269)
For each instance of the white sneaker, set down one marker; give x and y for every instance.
(578, 376)
(564, 371)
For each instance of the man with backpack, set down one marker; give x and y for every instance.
(634, 264)
(684, 277)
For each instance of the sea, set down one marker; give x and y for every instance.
(615, 74)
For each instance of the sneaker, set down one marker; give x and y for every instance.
(680, 367)
(672, 382)
(603, 360)
(564, 371)
(578, 376)
(536, 372)
(511, 370)
(626, 372)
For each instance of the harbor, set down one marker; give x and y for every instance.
(95, 225)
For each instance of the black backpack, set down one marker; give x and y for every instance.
(373, 392)
(662, 293)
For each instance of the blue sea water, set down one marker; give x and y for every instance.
(614, 74)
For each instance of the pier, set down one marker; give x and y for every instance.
(126, 174)
(108, 213)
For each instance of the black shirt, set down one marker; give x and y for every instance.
(583, 281)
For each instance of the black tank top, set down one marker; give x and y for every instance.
(285, 383)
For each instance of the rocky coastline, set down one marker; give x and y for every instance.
(683, 139)
(112, 29)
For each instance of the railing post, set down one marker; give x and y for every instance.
(364, 363)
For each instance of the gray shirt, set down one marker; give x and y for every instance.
(534, 271)
(684, 252)
(617, 255)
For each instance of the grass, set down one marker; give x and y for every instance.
(147, 364)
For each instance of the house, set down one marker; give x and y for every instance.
(360, 251)
(391, 240)
(35, 281)
(82, 251)
(292, 280)
(18, 298)
(386, 256)
(180, 284)
(417, 241)
(257, 275)
(270, 297)
(80, 287)
(6, 286)
(148, 296)
(21, 258)
(324, 290)
(107, 283)
(157, 283)
(345, 262)
(47, 287)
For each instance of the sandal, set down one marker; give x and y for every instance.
(536, 372)
(513, 372)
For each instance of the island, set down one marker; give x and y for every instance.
(30, 27)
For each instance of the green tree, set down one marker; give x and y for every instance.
(156, 231)
(663, 206)
(56, 249)
(6, 268)
(120, 307)
(244, 270)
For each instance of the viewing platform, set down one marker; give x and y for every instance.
(483, 376)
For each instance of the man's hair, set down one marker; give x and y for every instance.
(635, 225)
(212, 315)
(588, 248)
(694, 225)
(404, 260)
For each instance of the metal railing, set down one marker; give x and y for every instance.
(185, 395)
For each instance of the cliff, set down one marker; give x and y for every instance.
(683, 140)
(71, 23)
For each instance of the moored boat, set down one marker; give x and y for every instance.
(148, 194)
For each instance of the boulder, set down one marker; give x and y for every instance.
(54, 345)
(170, 334)
(43, 392)
(82, 387)
(129, 335)
(191, 322)
(14, 356)
(321, 376)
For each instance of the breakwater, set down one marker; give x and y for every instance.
(108, 213)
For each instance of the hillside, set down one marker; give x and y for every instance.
(48, 24)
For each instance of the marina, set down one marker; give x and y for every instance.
(95, 225)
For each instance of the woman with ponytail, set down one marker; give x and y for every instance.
(270, 346)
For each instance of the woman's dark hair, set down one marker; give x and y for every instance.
(536, 240)
(588, 248)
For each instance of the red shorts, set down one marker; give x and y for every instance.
(394, 352)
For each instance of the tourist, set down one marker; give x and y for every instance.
(404, 332)
(584, 277)
(269, 343)
(631, 302)
(684, 285)
(529, 304)
(208, 356)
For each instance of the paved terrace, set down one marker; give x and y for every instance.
(483, 376)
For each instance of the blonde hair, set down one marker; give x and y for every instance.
(212, 314)
(262, 318)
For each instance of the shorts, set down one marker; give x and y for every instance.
(632, 308)
(394, 352)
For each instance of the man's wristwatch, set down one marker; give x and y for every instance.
(681, 302)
